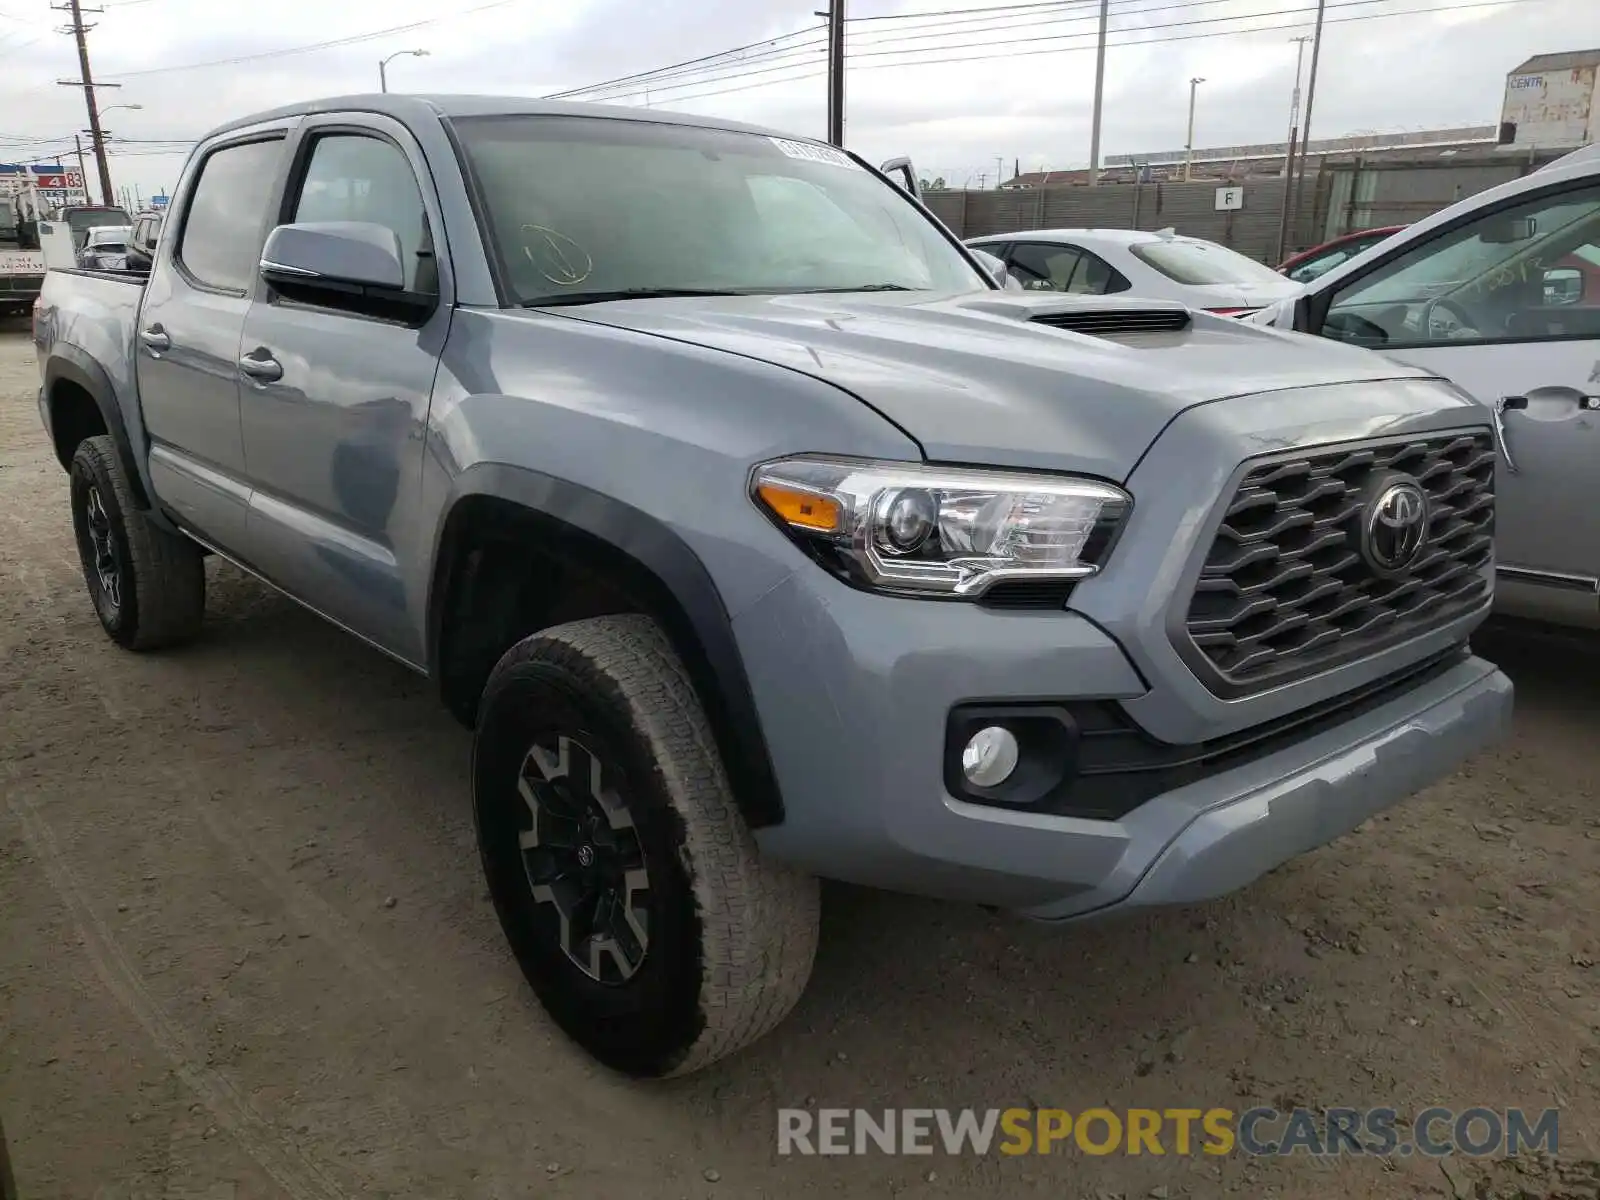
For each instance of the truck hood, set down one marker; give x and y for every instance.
(977, 378)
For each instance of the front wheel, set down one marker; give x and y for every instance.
(626, 881)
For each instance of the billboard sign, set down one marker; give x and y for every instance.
(56, 184)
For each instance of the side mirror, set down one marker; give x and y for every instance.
(994, 269)
(903, 173)
(338, 256)
(1507, 230)
(1563, 285)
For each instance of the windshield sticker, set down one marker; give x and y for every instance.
(811, 152)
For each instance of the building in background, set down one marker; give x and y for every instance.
(1550, 102)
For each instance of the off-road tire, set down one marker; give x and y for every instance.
(161, 583)
(731, 934)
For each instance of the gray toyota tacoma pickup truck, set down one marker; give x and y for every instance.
(761, 535)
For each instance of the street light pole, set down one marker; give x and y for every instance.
(1188, 147)
(1288, 153)
(1099, 96)
(1311, 96)
(383, 65)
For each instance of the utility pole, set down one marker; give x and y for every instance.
(1099, 96)
(1188, 146)
(835, 15)
(1288, 153)
(83, 171)
(1311, 96)
(86, 81)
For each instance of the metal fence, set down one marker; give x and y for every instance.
(1340, 197)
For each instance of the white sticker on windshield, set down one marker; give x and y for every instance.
(811, 152)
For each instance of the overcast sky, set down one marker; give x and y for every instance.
(1026, 96)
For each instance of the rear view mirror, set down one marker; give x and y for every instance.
(342, 255)
(1563, 285)
(1503, 231)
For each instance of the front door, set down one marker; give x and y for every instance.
(1494, 304)
(334, 400)
(186, 347)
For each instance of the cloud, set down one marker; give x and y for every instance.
(1023, 100)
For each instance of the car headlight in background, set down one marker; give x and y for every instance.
(941, 531)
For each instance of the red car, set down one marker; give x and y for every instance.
(1308, 264)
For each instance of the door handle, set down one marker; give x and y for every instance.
(155, 339)
(261, 366)
(1500, 405)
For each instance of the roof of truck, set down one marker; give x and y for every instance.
(408, 108)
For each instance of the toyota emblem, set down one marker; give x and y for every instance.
(1395, 527)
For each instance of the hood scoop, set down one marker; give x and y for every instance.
(1117, 322)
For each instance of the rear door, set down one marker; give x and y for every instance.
(334, 401)
(186, 347)
(1491, 302)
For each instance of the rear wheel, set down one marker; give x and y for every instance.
(148, 585)
(624, 877)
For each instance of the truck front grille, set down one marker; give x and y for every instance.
(1287, 588)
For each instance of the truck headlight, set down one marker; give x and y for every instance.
(947, 531)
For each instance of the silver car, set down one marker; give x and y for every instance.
(1160, 266)
(106, 248)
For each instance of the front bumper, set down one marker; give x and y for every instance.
(854, 689)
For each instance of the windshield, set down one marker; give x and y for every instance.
(584, 207)
(1187, 261)
(106, 237)
(82, 219)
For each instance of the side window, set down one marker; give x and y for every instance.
(1323, 263)
(356, 178)
(1043, 268)
(1095, 276)
(222, 233)
(1502, 276)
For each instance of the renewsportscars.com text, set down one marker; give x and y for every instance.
(1434, 1132)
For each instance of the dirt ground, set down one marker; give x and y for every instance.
(245, 952)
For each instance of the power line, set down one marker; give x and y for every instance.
(688, 62)
(330, 44)
(784, 58)
(811, 74)
(777, 57)
(773, 64)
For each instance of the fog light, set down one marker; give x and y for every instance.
(990, 757)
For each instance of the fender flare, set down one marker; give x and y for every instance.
(698, 623)
(73, 365)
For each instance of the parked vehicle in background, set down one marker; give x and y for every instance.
(1500, 293)
(142, 241)
(1308, 264)
(81, 218)
(759, 536)
(1164, 265)
(105, 248)
(22, 264)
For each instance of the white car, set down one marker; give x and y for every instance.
(1162, 266)
(1500, 293)
(106, 248)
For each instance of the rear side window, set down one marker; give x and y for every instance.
(1202, 263)
(221, 242)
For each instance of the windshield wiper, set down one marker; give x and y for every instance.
(857, 287)
(627, 294)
